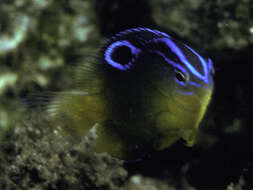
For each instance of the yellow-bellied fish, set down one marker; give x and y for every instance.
(144, 91)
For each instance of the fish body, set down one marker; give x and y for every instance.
(144, 91)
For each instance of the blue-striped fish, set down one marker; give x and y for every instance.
(144, 91)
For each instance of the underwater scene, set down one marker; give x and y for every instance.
(126, 95)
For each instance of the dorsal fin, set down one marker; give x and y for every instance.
(88, 77)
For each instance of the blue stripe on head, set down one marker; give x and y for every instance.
(185, 93)
(203, 63)
(173, 64)
(140, 29)
(175, 49)
(108, 54)
(194, 84)
(210, 66)
(158, 37)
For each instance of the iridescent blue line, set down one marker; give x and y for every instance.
(203, 63)
(108, 53)
(173, 64)
(140, 29)
(194, 84)
(210, 66)
(185, 93)
(174, 48)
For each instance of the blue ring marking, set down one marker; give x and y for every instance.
(183, 59)
(135, 51)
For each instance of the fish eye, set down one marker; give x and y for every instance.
(180, 76)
